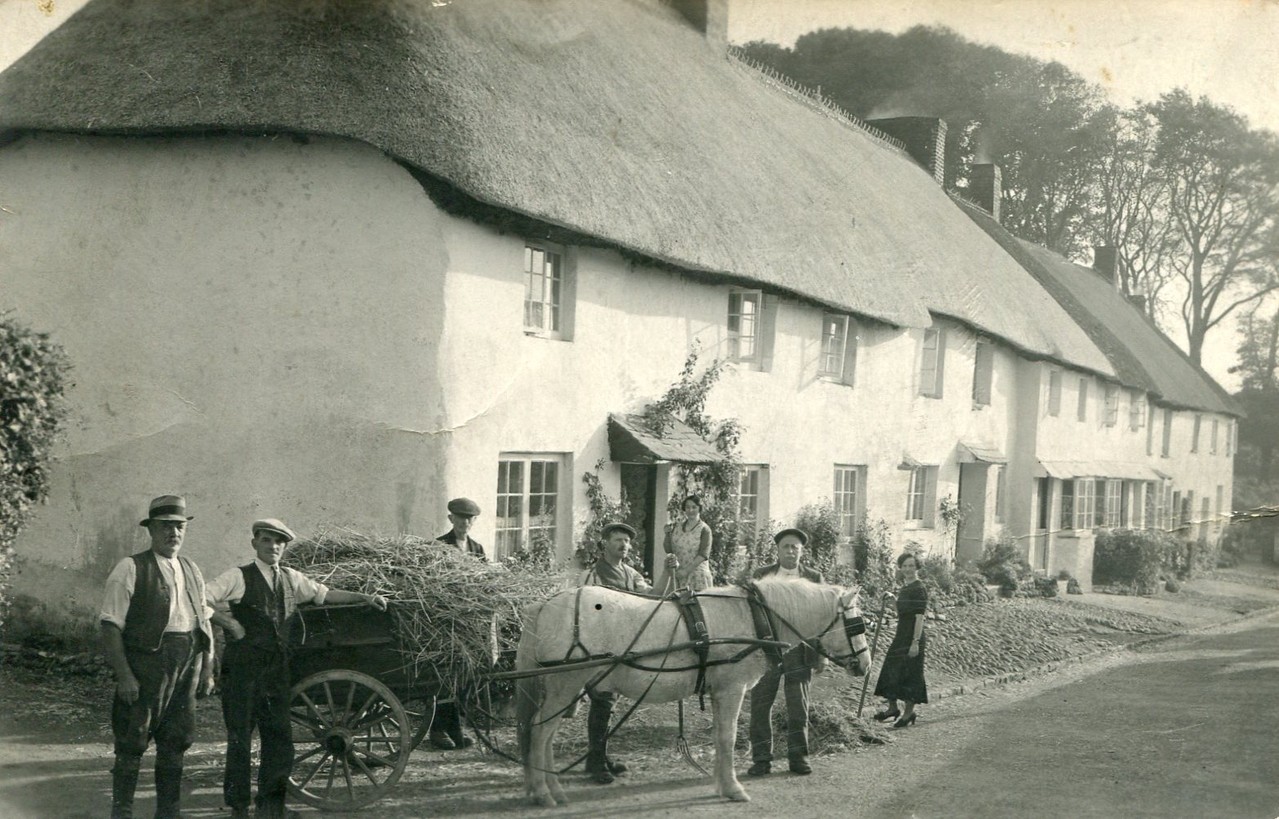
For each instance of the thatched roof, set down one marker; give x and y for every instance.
(613, 119)
(1143, 357)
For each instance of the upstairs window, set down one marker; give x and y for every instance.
(1054, 393)
(1194, 439)
(983, 372)
(1230, 436)
(839, 349)
(1112, 405)
(1150, 429)
(1167, 444)
(750, 328)
(1136, 411)
(921, 496)
(1212, 442)
(547, 301)
(932, 364)
(1081, 410)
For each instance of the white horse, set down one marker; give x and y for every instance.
(565, 638)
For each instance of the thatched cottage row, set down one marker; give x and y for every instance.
(338, 262)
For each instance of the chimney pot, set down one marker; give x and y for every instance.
(925, 139)
(986, 189)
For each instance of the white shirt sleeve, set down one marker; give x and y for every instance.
(119, 591)
(227, 587)
(306, 590)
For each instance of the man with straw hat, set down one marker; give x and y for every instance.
(256, 605)
(610, 570)
(157, 640)
(796, 668)
(446, 726)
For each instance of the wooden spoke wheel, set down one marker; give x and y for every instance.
(351, 738)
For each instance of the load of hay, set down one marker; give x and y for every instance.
(454, 614)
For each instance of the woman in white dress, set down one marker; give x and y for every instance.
(688, 548)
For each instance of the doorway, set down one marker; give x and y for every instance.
(639, 492)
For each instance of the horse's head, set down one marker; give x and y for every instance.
(844, 641)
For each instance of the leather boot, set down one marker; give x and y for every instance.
(124, 781)
(597, 741)
(168, 793)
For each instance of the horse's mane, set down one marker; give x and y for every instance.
(793, 592)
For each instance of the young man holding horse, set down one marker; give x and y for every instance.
(610, 570)
(796, 669)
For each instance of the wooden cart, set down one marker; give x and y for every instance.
(352, 731)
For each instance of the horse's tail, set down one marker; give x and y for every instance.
(530, 691)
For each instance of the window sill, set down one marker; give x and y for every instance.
(917, 525)
(978, 406)
(547, 336)
(833, 379)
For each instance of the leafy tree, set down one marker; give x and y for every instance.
(1223, 199)
(32, 379)
(1258, 368)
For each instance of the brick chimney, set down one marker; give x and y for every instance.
(710, 17)
(925, 139)
(985, 188)
(1138, 300)
(1105, 260)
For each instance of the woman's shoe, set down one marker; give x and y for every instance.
(905, 722)
(884, 716)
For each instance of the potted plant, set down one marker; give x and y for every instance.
(1063, 582)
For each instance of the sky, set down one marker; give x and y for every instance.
(1136, 49)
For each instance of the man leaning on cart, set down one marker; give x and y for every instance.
(256, 604)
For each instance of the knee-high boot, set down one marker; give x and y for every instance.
(597, 740)
(168, 792)
(124, 781)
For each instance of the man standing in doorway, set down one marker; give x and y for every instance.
(446, 726)
(797, 669)
(157, 640)
(256, 605)
(610, 570)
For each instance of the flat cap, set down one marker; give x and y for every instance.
(610, 528)
(464, 506)
(276, 526)
(799, 533)
(167, 507)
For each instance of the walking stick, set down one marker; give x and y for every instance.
(874, 645)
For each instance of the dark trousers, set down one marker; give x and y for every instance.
(447, 720)
(797, 674)
(255, 694)
(597, 722)
(165, 711)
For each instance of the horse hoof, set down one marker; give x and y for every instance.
(738, 795)
(544, 801)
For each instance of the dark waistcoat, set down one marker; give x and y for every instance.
(148, 613)
(265, 628)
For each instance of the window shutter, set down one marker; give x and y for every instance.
(849, 376)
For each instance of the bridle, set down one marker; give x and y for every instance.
(853, 626)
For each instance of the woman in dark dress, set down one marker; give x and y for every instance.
(902, 677)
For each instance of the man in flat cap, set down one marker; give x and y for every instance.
(797, 669)
(611, 570)
(446, 726)
(256, 604)
(157, 640)
(462, 514)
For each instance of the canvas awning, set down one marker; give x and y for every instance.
(630, 440)
(1098, 469)
(980, 453)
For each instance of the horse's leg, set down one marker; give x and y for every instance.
(726, 704)
(552, 771)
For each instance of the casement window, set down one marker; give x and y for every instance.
(751, 316)
(1067, 505)
(1111, 405)
(1001, 474)
(1085, 503)
(1212, 442)
(531, 500)
(921, 496)
(983, 372)
(548, 300)
(839, 349)
(1151, 505)
(932, 363)
(1205, 512)
(1167, 444)
(752, 501)
(1136, 411)
(1159, 502)
(1230, 435)
(849, 498)
(1194, 440)
(1081, 410)
(1150, 429)
(1054, 393)
(1170, 505)
(1111, 509)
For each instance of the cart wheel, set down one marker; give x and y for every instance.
(351, 738)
